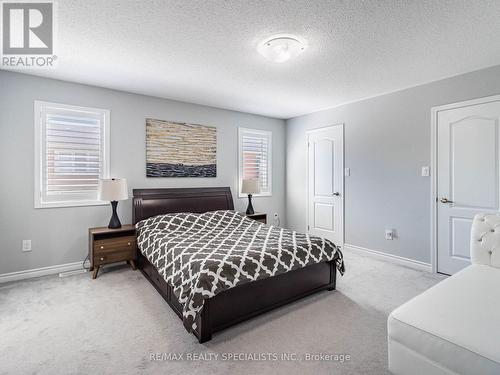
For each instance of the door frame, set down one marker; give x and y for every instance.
(434, 171)
(306, 230)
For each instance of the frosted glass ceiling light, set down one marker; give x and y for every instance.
(281, 49)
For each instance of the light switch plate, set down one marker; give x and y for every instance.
(347, 172)
(426, 172)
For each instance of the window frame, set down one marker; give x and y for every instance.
(39, 107)
(269, 135)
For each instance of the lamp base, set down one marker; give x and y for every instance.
(250, 210)
(114, 223)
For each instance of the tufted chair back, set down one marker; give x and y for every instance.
(485, 240)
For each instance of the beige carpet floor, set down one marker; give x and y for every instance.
(113, 325)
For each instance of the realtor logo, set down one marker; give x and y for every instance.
(28, 29)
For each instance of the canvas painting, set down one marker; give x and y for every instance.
(180, 150)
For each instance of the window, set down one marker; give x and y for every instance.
(255, 159)
(71, 154)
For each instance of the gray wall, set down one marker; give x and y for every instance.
(387, 141)
(59, 235)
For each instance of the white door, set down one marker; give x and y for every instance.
(467, 175)
(326, 183)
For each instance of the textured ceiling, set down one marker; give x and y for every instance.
(204, 51)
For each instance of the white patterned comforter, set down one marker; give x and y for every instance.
(201, 255)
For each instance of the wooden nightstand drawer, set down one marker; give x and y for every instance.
(118, 256)
(111, 245)
(114, 244)
(258, 217)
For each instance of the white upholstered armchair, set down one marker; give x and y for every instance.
(485, 240)
(452, 328)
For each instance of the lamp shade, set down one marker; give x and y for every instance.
(114, 189)
(250, 186)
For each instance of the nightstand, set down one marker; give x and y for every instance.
(111, 245)
(258, 216)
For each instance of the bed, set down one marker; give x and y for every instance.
(240, 302)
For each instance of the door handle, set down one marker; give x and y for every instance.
(445, 200)
(337, 194)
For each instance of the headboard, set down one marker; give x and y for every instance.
(152, 202)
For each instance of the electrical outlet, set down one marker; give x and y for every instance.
(26, 245)
(426, 171)
(389, 234)
(276, 219)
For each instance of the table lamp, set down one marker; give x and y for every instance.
(250, 186)
(113, 190)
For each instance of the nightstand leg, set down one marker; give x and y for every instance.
(96, 270)
(132, 264)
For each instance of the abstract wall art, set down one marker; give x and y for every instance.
(180, 150)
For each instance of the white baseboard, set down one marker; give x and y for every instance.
(37, 272)
(415, 264)
(52, 270)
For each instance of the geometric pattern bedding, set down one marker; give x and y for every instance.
(201, 255)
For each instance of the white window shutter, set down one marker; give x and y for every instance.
(73, 154)
(255, 158)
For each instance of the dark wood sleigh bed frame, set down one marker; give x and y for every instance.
(244, 301)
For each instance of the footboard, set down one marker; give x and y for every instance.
(248, 300)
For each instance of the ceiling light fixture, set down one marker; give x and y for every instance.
(281, 48)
